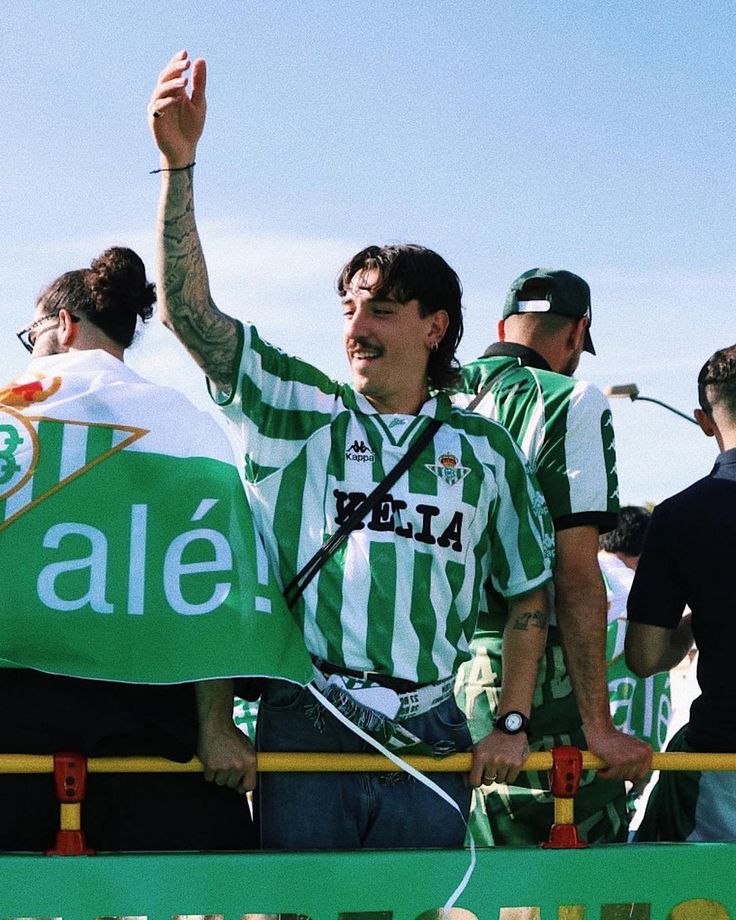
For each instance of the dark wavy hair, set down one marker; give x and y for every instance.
(717, 381)
(112, 293)
(407, 271)
(628, 537)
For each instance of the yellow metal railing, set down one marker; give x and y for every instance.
(565, 765)
(349, 763)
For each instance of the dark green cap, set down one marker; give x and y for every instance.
(551, 290)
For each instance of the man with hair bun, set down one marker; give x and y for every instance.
(82, 325)
(688, 562)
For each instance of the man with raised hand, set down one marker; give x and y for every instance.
(564, 428)
(389, 614)
(687, 561)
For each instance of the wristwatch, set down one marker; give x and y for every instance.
(511, 723)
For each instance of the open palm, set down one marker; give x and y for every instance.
(177, 119)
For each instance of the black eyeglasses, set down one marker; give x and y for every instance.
(28, 334)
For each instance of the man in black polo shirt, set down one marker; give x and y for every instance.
(688, 561)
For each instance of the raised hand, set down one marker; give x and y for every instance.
(177, 119)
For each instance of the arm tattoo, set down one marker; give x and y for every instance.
(185, 304)
(536, 618)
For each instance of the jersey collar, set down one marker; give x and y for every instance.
(437, 406)
(527, 357)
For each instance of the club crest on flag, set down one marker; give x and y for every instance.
(18, 451)
(448, 469)
(80, 447)
(22, 393)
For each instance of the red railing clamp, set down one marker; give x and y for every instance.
(70, 783)
(567, 767)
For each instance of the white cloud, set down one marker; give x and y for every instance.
(270, 261)
(284, 284)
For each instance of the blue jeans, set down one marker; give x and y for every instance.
(348, 811)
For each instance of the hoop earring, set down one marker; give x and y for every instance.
(434, 346)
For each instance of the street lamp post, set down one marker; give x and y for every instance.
(631, 390)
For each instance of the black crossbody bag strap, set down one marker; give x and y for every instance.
(473, 404)
(300, 581)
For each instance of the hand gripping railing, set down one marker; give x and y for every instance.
(565, 763)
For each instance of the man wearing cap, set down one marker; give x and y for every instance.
(564, 427)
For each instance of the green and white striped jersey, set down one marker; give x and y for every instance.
(564, 428)
(562, 425)
(401, 596)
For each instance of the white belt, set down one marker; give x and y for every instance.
(387, 702)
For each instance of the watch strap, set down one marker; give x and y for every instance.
(512, 722)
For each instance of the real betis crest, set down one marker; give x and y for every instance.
(72, 448)
(14, 432)
(18, 439)
(448, 469)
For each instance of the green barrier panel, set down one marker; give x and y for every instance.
(677, 881)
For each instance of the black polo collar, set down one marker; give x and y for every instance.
(527, 356)
(727, 457)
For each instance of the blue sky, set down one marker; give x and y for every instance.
(593, 137)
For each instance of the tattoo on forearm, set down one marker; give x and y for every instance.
(535, 618)
(185, 301)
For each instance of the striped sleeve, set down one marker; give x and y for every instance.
(276, 401)
(577, 464)
(522, 535)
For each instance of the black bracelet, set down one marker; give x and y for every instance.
(173, 168)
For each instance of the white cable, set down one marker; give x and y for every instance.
(412, 771)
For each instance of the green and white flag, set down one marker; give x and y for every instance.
(640, 706)
(127, 546)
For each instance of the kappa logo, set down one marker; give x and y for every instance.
(360, 452)
(539, 506)
(548, 548)
(448, 469)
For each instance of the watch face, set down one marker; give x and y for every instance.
(513, 722)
